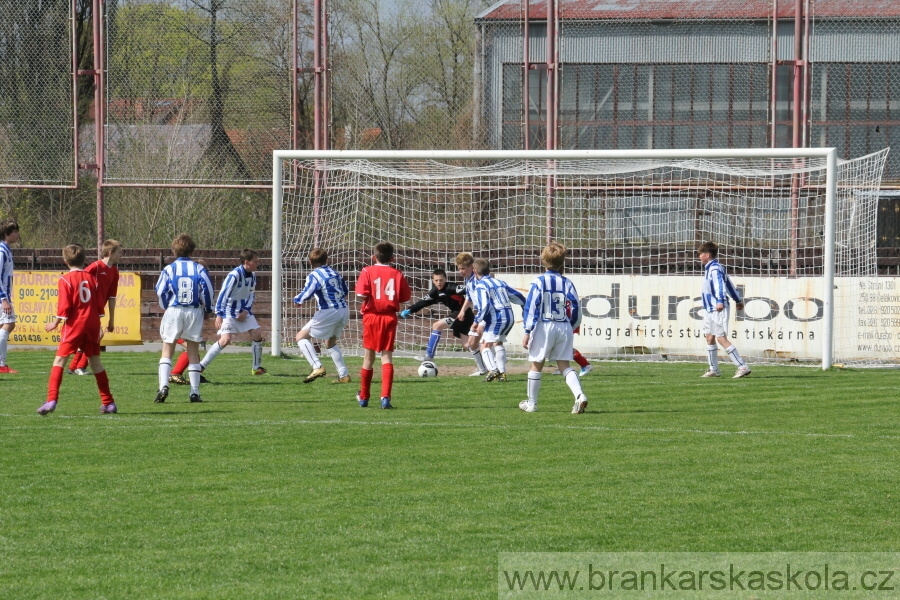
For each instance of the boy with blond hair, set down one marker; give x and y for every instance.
(185, 293)
(382, 289)
(79, 305)
(465, 266)
(494, 318)
(106, 273)
(333, 314)
(552, 312)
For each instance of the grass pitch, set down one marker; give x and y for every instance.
(276, 489)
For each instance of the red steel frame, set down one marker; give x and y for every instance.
(98, 72)
(320, 72)
(74, 76)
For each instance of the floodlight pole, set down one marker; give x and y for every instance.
(526, 76)
(552, 121)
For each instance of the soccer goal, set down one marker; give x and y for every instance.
(796, 230)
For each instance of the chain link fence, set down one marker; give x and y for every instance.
(37, 123)
(855, 90)
(197, 91)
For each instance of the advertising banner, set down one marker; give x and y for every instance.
(34, 300)
(782, 318)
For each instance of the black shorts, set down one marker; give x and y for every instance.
(461, 327)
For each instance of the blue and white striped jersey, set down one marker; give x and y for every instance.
(494, 300)
(717, 286)
(551, 298)
(470, 284)
(237, 293)
(6, 272)
(327, 286)
(185, 283)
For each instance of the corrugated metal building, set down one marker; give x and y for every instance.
(695, 74)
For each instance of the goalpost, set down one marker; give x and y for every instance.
(796, 230)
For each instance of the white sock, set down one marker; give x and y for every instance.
(735, 356)
(476, 354)
(487, 355)
(712, 353)
(4, 344)
(306, 348)
(194, 377)
(573, 381)
(256, 349)
(534, 386)
(338, 357)
(165, 369)
(210, 354)
(500, 357)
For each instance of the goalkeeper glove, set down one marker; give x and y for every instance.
(404, 314)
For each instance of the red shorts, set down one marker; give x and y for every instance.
(379, 331)
(70, 347)
(77, 339)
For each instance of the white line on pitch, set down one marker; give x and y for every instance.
(175, 423)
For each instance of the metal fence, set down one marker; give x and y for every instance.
(197, 93)
(37, 94)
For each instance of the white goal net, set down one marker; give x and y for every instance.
(632, 222)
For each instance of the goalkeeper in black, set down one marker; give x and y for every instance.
(450, 295)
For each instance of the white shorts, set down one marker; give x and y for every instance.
(551, 341)
(8, 318)
(181, 322)
(232, 325)
(716, 323)
(328, 322)
(497, 337)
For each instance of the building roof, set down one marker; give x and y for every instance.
(690, 9)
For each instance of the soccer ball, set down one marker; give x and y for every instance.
(428, 369)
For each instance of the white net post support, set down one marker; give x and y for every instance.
(828, 291)
(789, 221)
(277, 287)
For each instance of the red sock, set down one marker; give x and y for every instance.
(103, 386)
(580, 359)
(56, 375)
(387, 380)
(181, 364)
(79, 361)
(365, 383)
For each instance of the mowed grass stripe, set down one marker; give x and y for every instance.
(275, 489)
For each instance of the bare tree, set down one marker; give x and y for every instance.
(217, 35)
(406, 68)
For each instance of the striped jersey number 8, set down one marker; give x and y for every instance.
(185, 291)
(84, 292)
(388, 289)
(554, 306)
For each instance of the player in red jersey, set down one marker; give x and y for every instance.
(80, 304)
(106, 273)
(382, 289)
